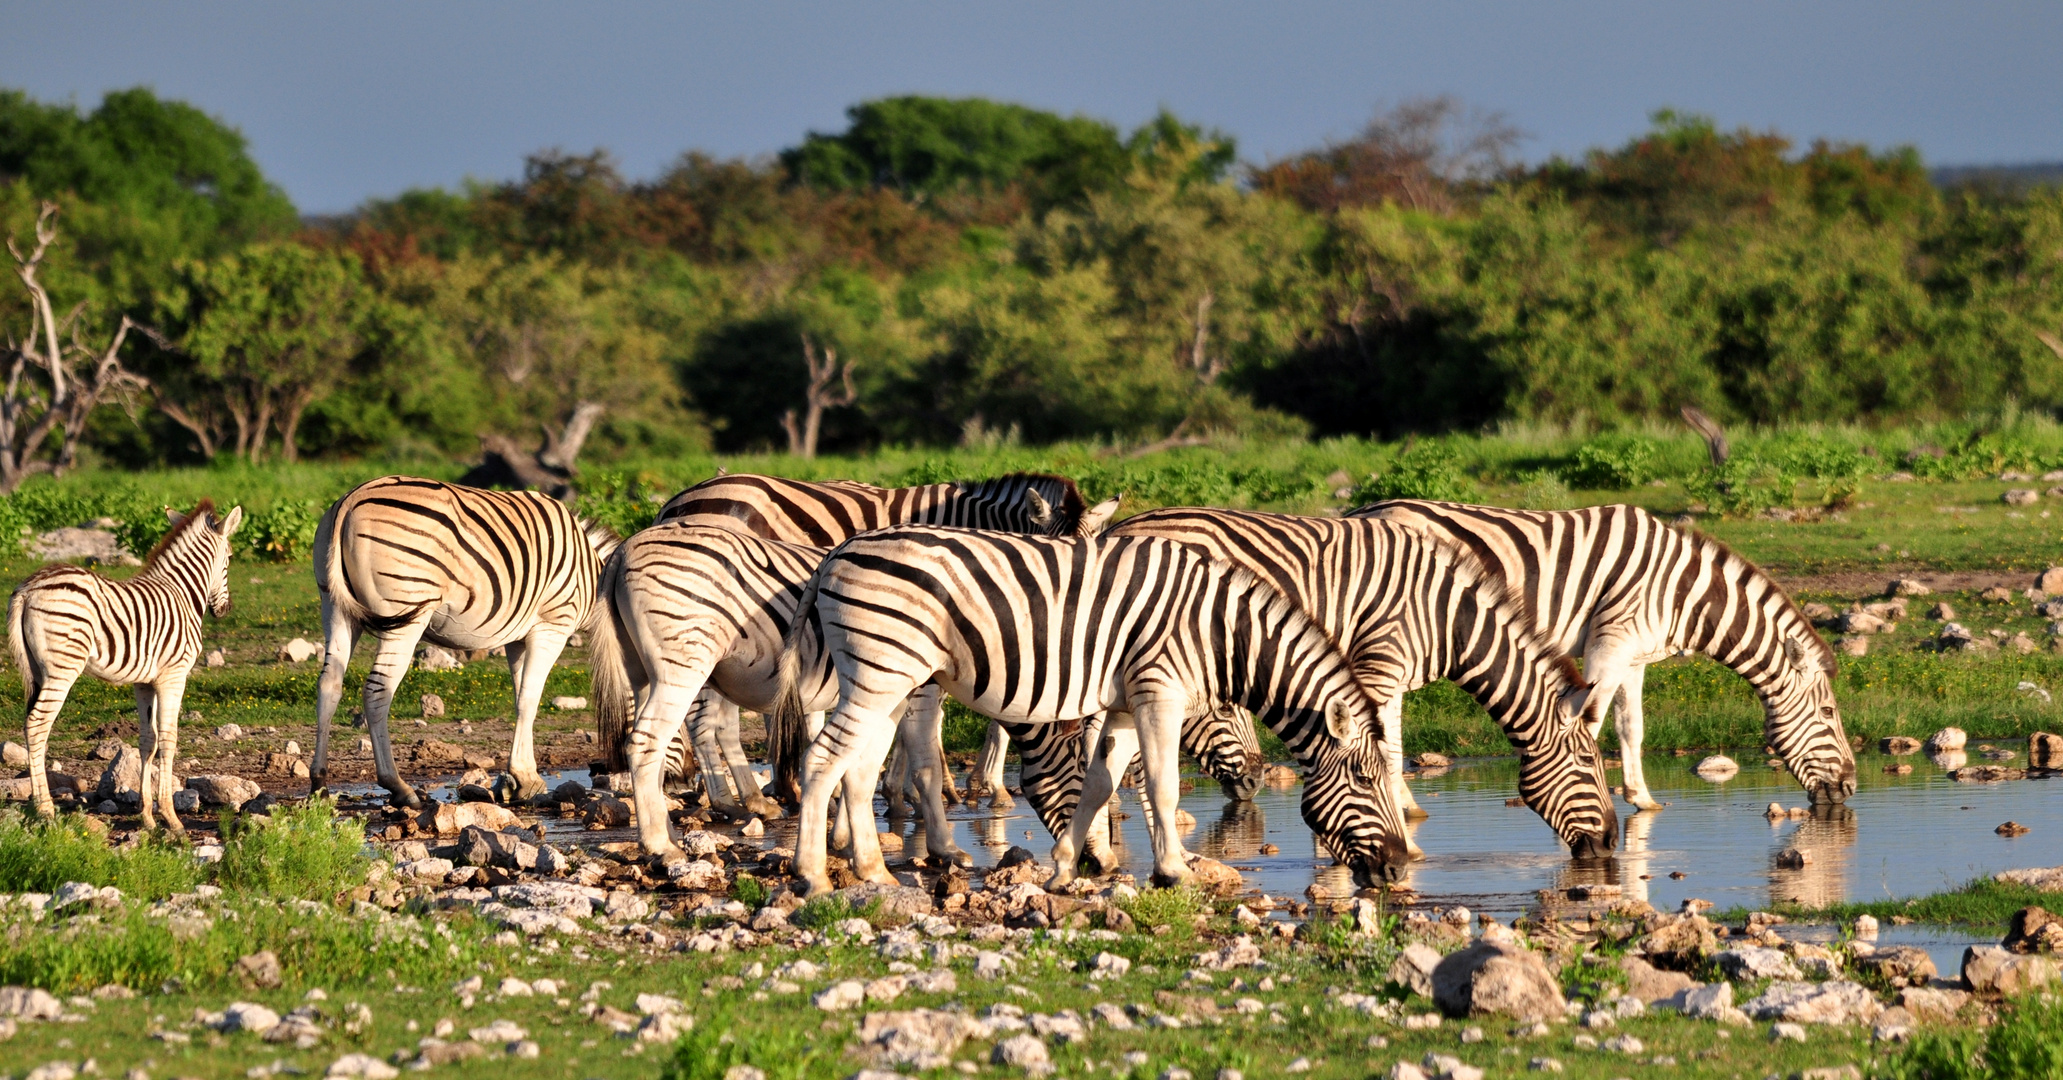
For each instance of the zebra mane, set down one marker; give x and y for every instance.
(1070, 505)
(1501, 596)
(202, 511)
(1829, 660)
(600, 537)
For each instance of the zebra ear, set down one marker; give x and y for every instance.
(227, 526)
(175, 517)
(1339, 720)
(1796, 652)
(1041, 510)
(1097, 518)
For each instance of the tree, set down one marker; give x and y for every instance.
(267, 330)
(817, 396)
(53, 384)
(1414, 155)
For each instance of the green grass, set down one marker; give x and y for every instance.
(1980, 902)
(42, 855)
(2023, 1045)
(302, 852)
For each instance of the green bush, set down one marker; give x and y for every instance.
(1174, 908)
(42, 855)
(749, 891)
(306, 852)
(1426, 471)
(284, 533)
(624, 502)
(718, 1044)
(1614, 463)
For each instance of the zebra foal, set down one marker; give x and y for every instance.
(1621, 589)
(1042, 630)
(415, 560)
(67, 621)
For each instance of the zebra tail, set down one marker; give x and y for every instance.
(787, 731)
(31, 675)
(615, 702)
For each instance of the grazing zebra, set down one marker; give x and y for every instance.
(825, 514)
(1618, 587)
(1411, 609)
(421, 560)
(67, 621)
(1033, 629)
(693, 609)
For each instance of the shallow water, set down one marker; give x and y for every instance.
(1898, 836)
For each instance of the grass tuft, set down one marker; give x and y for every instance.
(304, 852)
(717, 1045)
(1979, 902)
(43, 855)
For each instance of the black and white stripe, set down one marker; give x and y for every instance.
(698, 612)
(827, 513)
(1041, 630)
(67, 621)
(1410, 609)
(1620, 588)
(415, 560)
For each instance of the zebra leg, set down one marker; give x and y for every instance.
(658, 725)
(1632, 727)
(988, 768)
(389, 663)
(920, 745)
(164, 720)
(1158, 719)
(339, 638)
(824, 766)
(860, 781)
(529, 667)
(1098, 782)
(732, 749)
(50, 698)
(705, 716)
(1391, 713)
(898, 782)
(147, 748)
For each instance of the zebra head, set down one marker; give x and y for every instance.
(1347, 800)
(1065, 512)
(1562, 778)
(1803, 721)
(1226, 746)
(197, 547)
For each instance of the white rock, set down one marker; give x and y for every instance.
(1023, 1052)
(1793, 1032)
(1109, 966)
(840, 996)
(1834, 1002)
(360, 1067)
(247, 1016)
(567, 702)
(1718, 768)
(299, 650)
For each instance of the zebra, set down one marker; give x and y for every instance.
(822, 515)
(693, 609)
(67, 621)
(1037, 629)
(1620, 588)
(1411, 609)
(421, 560)
(827, 513)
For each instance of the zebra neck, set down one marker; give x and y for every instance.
(183, 567)
(1734, 622)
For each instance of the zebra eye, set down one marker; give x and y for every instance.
(1827, 711)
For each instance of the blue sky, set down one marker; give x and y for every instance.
(348, 101)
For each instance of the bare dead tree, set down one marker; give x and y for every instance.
(1714, 436)
(1207, 367)
(1414, 154)
(75, 377)
(550, 468)
(802, 441)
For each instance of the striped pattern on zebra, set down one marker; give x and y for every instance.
(414, 560)
(827, 513)
(824, 514)
(1054, 761)
(67, 621)
(1033, 629)
(693, 609)
(1620, 588)
(1411, 609)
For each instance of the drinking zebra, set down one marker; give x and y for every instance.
(821, 515)
(67, 621)
(416, 560)
(1042, 630)
(1410, 609)
(1620, 588)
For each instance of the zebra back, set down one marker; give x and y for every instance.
(827, 513)
(1621, 571)
(1411, 608)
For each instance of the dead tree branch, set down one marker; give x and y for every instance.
(1714, 435)
(802, 442)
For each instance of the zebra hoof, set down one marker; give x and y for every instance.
(527, 787)
(766, 808)
(406, 797)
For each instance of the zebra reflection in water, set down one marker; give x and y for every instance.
(1827, 840)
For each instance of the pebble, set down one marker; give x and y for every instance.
(1781, 1031)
